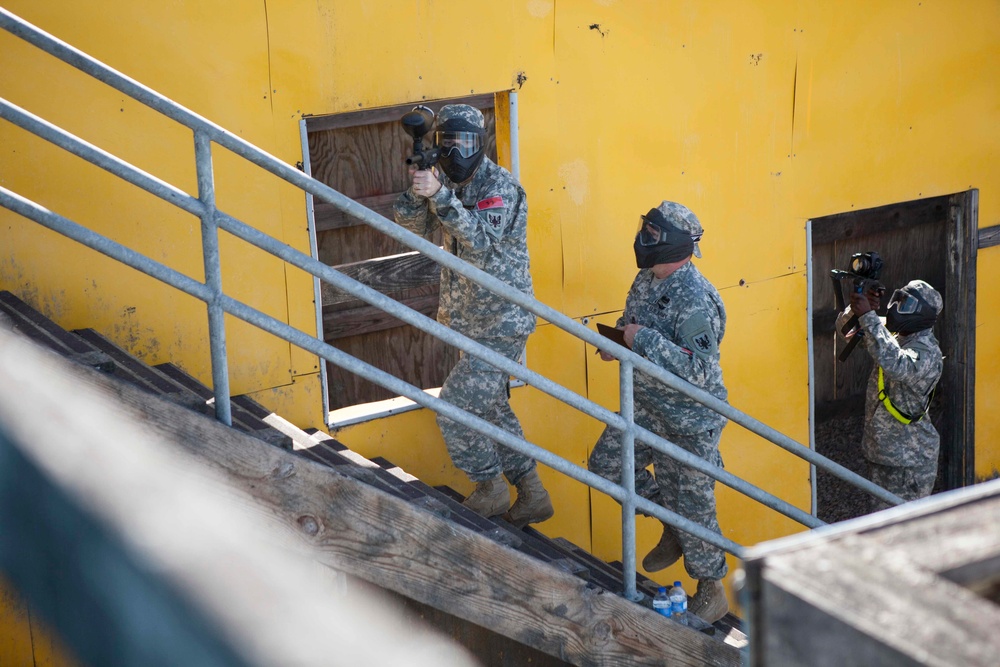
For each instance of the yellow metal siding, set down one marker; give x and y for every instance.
(759, 116)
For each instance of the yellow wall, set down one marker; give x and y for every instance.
(24, 637)
(758, 116)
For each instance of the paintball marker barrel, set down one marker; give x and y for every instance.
(417, 123)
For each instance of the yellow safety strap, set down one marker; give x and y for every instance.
(901, 416)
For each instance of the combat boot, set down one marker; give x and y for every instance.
(666, 552)
(533, 504)
(709, 602)
(490, 498)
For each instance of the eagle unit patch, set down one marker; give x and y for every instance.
(495, 220)
(697, 336)
(495, 214)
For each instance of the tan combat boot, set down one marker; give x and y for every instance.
(490, 498)
(709, 602)
(533, 504)
(666, 552)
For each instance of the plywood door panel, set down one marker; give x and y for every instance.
(402, 351)
(364, 159)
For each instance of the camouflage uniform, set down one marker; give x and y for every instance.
(902, 458)
(484, 222)
(684, 321)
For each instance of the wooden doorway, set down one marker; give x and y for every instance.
(932, 239)
(361, 154)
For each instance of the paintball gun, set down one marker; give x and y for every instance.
(418, 123)
(866, 267)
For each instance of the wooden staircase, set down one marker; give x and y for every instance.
(719, 643)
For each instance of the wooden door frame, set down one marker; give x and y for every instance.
(958, 340)
(322, 216)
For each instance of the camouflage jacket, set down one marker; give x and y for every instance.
(911, 366)
(484, 222)
(684, 321)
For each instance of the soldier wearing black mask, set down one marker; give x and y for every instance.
(674, 317)
(482, 212)
(900, 442)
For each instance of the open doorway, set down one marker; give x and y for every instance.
(361, 154)
(931, 239)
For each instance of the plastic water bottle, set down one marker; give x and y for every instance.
(678, 603)
(661, 603)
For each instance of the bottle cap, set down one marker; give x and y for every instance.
(663, 589)
(677, 584)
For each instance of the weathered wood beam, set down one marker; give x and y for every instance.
(386, 274)
(989, 237)
(904, 587)
(327, 216)
(138, 553)
(379, 538)
(880, 219)
(367, 319)
(389, 114)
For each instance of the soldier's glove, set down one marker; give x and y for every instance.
(861, 304)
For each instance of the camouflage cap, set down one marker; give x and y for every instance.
(462, 112)
(927, 293)
(681, 217)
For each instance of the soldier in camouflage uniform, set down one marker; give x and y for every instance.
(675, 318)
(483, 214)
(900, 442)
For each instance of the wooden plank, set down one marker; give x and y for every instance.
(339, 521)
(958, 383)
(118, 518)
(406, 352)
(368, 319)
(880, 219)
(328, 216)
(854, 602)
(897, 587)
(366, 161)
(396, 273)
(390, 114)
(962, 544)
(988, 237)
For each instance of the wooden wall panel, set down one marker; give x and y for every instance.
(405, 352)
(364, 159)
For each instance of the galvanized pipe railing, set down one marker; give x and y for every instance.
(129, 257)
(418, 320)
(179, 198)
(217, 303)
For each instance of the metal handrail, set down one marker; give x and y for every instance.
(211, 292)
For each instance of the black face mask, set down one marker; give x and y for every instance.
(919, 314)
(675, 246)
(455, 166)
(908, 324)
(459, 169)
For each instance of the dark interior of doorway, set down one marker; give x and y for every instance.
(932, 239)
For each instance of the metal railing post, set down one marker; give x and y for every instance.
(628, 481)
(213, 277)
(219, 304)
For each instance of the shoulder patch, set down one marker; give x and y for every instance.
(495, 221)
(492, 202)
(697, 336)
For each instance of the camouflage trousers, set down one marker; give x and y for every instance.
(907, 482)
(483, 390)
(675, 486)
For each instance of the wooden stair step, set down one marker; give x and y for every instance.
(41, 329)
(242, 419)
(323, 453)
(127, 366)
